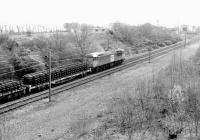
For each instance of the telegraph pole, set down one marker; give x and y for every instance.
(185, 38)
(185, 30)
(49, 75)
(149, 50)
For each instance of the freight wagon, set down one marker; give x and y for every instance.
(38, 81)
(11, 89)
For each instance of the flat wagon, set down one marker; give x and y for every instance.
(59, 75)
(11, 89)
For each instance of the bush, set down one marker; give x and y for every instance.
(161, 44)
(3, 38)
(164, 104)
(155, 46)
(168, 42)
(145, 34)
(28, 33)
(24, 65)
(136, 51)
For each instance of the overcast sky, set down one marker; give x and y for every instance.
(99, 12)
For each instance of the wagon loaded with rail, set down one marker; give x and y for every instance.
(38, 81)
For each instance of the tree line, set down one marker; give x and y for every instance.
(75, 43)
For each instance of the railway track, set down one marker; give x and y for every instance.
(44, 94)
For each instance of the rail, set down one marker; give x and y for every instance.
(127, 64)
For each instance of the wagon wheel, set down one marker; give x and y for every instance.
(16, 94)
(9, 97)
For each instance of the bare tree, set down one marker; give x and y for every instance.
(80, 36)
(193, 106)
(18, 29)
(1, 28)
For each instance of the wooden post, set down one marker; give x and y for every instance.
(49, 75)
(149, 50)
(185, 39)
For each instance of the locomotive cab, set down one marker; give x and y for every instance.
(99, 61)
(120, 52)
(92, 59)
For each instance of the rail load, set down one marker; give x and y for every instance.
(59, 75)
(11, 89)
(39, 81)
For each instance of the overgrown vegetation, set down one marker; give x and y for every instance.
(30, 54)
(144, 35)
(16, 59)
(165, 106)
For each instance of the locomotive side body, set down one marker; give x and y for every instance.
(99, 61)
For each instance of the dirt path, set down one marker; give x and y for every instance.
(44, 121)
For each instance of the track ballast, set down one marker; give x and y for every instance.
(127, 64)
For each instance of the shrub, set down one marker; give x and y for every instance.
(28, 33)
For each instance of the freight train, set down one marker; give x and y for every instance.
(38, 81)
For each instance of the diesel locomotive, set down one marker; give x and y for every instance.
(38, 81)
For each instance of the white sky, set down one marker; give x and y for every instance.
(99, 12)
